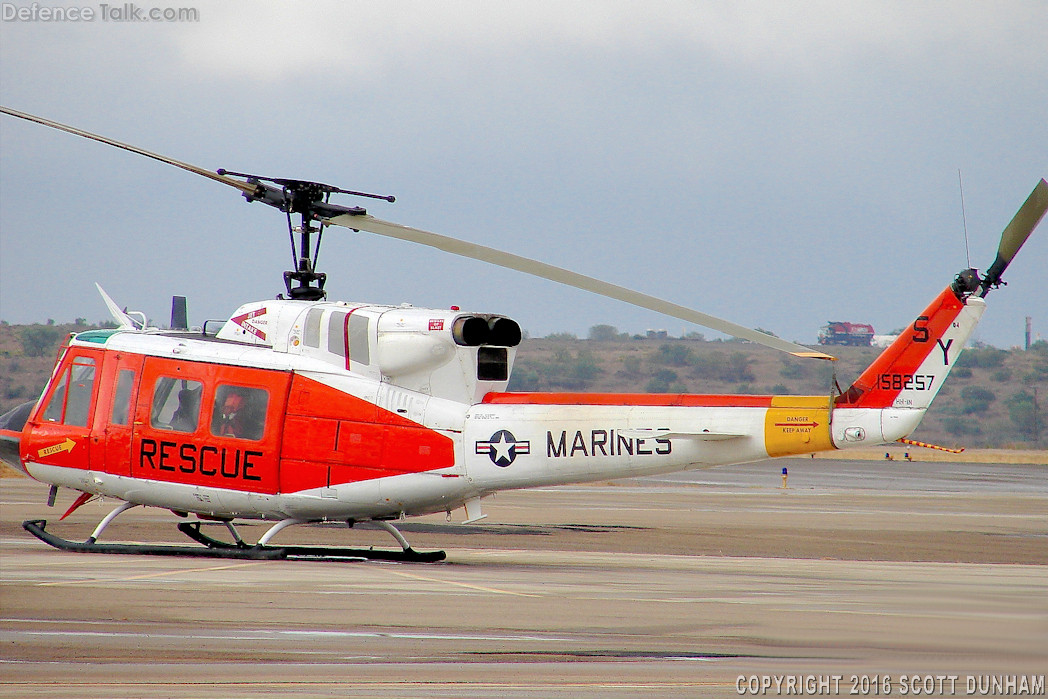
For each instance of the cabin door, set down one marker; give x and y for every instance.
(116, 419)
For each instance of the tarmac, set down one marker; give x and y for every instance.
(663, 587)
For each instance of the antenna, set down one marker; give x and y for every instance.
(967, 254)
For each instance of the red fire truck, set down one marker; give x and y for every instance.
(841, 333)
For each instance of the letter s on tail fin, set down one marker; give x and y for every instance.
(911, 371)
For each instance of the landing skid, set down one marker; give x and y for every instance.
(192, 530)
(36, 528)
(213, 548)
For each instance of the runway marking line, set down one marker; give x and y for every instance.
(469, 586)
(149, 575)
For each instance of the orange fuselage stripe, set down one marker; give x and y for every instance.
(652, 399)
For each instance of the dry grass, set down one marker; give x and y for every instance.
(975, 456)
(8, 472)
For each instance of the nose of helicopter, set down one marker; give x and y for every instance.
(11, 424)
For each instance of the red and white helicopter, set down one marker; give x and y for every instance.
(301, 409)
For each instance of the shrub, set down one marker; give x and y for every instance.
(976, 399)
(572, 372)
(985, 358)
(603, 333)
(632, 365)
(673, 355)
(734, 368)
(739, 368)
(37, 340)
(710, 365)
(665, 381)
(523, 379)
(1002, 375)
(793, 370)
(1022, 414)
(961, 426)
(1040, 371)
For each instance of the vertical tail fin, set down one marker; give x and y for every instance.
(890, 398)
(911, 371)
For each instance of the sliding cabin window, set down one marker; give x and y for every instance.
(239, 412)
(176, 404)
(337, 333)
(357, 333)
(70, 402)
(358, 339)
(311, 337)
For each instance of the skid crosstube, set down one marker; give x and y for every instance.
(192, 530)
(214, 548)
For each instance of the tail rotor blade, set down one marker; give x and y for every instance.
(1015, 234)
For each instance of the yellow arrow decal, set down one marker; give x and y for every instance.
(67, 445)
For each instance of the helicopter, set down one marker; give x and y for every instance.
(301, 409)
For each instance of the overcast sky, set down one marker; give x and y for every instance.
(778, 164)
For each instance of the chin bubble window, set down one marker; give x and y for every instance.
(239, 412)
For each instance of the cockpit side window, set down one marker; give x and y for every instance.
(56, 406)
(70, 402)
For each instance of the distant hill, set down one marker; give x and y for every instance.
(986, 402)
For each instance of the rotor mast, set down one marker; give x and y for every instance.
(300, 281)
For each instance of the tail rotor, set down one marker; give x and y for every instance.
(1013, 237)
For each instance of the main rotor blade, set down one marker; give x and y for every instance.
(480, 252)
(579, 281)
(242, 186)
(1016, 233)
